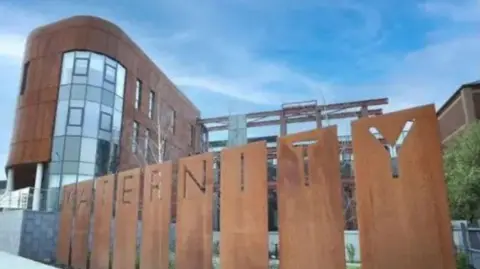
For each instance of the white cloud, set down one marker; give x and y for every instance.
(459, 11)
(12, 46)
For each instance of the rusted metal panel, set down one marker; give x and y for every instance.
(243, 211)
(83, 208)
(403, 219)
(65, 225)
(156, 214)
(194, 212)
(102, 219)
(126, 218)
(310, 201)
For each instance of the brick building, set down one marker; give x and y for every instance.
(460, 110)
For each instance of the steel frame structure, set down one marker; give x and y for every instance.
(299, 112)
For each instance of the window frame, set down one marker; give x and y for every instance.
(192, 135)
(81, 109)
(23, 86)
(146, 143)
(172, 120)
(135, 132)
(106, 65)
(138, 94)
(74, 72)
(151, 104)
(100, 121)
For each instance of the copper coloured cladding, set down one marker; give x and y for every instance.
(310, 200)
(409, 206)
(194, 212)
(243, 210)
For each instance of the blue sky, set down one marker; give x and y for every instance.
(238, 56)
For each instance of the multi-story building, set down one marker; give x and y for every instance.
(92, 103)
(460, 110)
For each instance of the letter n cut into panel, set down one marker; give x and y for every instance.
(66, 224)
(157, 192)
(402, 215)
(310, 201)
(194, 212)
(83, 209)
(243, 210)
(102, 222)
(126, 219)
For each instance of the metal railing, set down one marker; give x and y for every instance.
(48, 199)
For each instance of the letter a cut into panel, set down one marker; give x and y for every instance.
(104, 188)
(243, 210)
(401, 193)
(156, 216)
(310, 201)
(194, 212)
(126, 219)
(66, 224)
(83, 206)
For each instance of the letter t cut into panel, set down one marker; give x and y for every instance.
(310, 202)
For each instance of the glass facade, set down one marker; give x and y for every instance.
(88, 118)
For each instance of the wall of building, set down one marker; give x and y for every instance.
(11, 231)
(36, 105)
(452, 118)
(462, 110)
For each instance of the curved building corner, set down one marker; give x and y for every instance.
(91, 103)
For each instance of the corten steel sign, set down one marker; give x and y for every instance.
(102, 222)
(403, 215)
(310, 201)
(126, 219)
(156, 215)
(194, 212)
(65, 225)
(81, 225)
(243, 211)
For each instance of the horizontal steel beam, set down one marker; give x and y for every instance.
(307, 118)
(336, 106)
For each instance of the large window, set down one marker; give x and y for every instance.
(88, 118)
(138, 94)
(151, 104)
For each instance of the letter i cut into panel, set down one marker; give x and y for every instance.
(243, 207)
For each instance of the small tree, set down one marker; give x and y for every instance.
(154, 147)
(462, 173)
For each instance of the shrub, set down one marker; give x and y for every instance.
(350, 252)
(462, 261)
